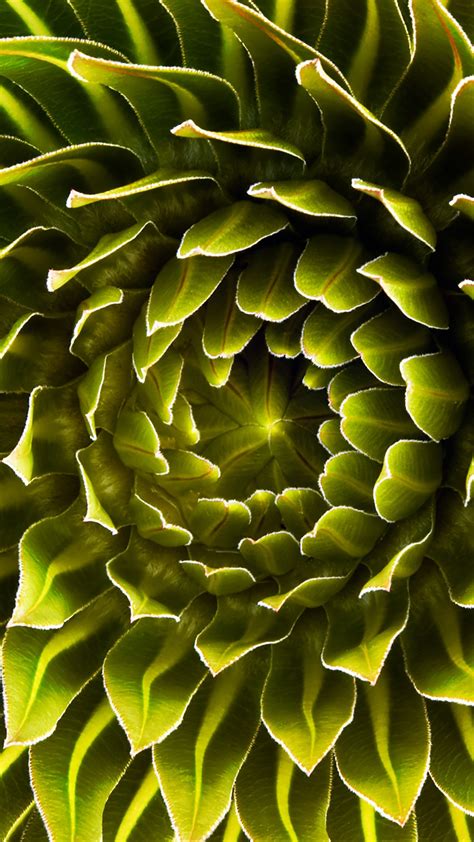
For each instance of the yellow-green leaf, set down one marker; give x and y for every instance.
(383, 754)
(197, 764)
(305, 706)
(276, 800)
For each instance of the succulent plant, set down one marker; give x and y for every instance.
(236, 524)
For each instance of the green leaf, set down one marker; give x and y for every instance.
(274, 54)
(352, 378)
(220, 572)
(61, 568)
(374, 419)
(21, 505)
(52, 434)
(62, 768)
(188, 471)
(265, 516)
(284, 338)
(35, 350)
(352, 135)
(39, 684)
(152, 673)
(265, 287)
(147, 350)
(110, 302)
(157, 517)
(297, 451)
(161, 386)
(300, 508)
(215, 370)
(414, 291)
(177, 92)
(438, 818)
(137, 443)
(330, 436)
(468, 288)
(34, 828)
(372, 49)
(275, 553)
(152, 580)
(348, 479)
(107, 483)
(197, 764)
(361, 631)
(326, 336)
(401, 550)
(441, 174)
(454, 540)
(104, 387)
(182, 287)
(227, 330)
(160, 178)
(342, 535)
(451, 752)
(463, 203)
(231, 229)
(16, 800)
(383, 754)
(107, 245)
(314, 198)
(406, 211)
(276, 800)
(131, 27)
(251, 138)
(436, 393)
(441, 57)
(350, 817)
(306, 586)
(326, 272)
(229, 829)
(135, 808)
(241, 626)
(411, 473)
(219, 523)
(436, 640)
(240, 454)
(385, 340)
(82, 112)
(298, 682)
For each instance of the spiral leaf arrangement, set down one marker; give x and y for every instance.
(237, 347)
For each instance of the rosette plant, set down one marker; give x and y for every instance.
(236, 525)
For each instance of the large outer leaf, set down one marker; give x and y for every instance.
(298, 681)
(37, 663)
(197, 764)
(350, 817)
(438, 641)
(452, 752)
(350, 130)
(361, 632)
(64, 767)
(383, 754)
(276, 800)
(135, 808)
(152, 673)
(438, 818)
(62, 568)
